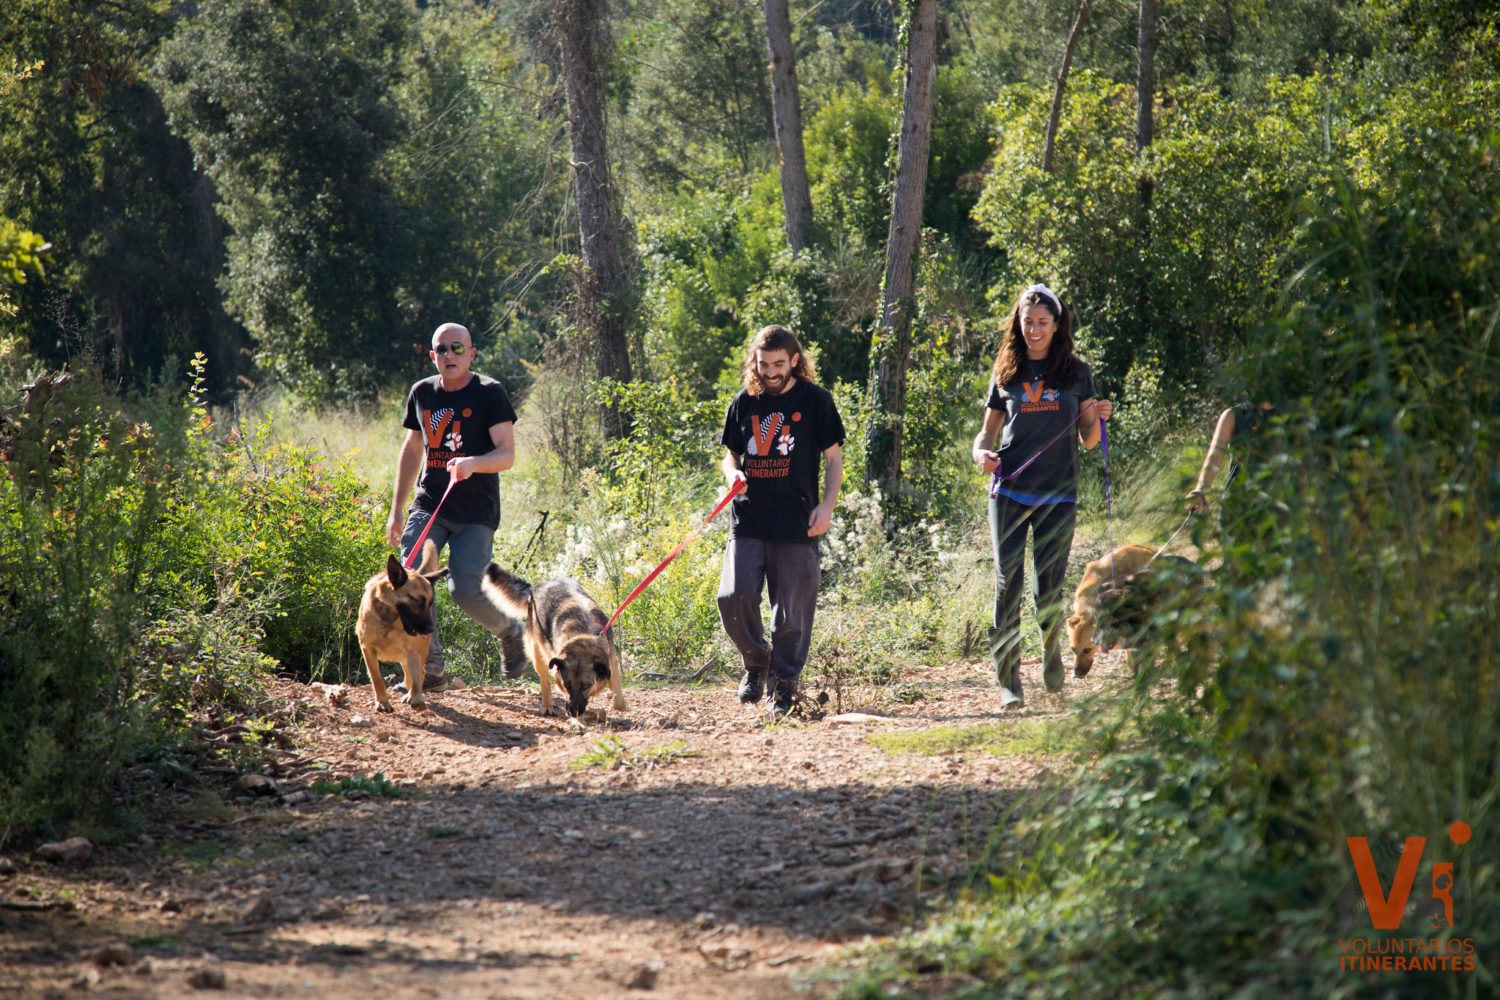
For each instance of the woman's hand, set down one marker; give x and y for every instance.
(988, 461)
(1094, 410)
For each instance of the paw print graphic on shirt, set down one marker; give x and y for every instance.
(785, 442)
(453, 441)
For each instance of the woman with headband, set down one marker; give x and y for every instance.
(1041, 406)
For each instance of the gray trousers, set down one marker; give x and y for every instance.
(790, 573)
(469, 549)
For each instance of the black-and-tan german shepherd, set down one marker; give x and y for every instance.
(564, 637)
(396, 622)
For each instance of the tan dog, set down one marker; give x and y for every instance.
(563, 626)
(1124, 561)
(396, 622)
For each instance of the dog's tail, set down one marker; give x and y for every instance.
(508, 591)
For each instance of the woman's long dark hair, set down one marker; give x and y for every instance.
(1060, 369)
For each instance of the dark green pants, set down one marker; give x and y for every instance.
(1051, 528)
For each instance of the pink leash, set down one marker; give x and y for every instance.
(734, 491)
(416, 550)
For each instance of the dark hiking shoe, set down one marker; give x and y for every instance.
(432, 684)
(441, 683)
(752, 686)
(783, 696)
(1010, 700)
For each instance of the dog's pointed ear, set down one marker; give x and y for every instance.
(429, 557)
(600, 620)
(601, 669)
(395, 572)
(435, 577)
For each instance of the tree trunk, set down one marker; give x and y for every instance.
(603, 300)
(892, 341)
(1050, 147)
(1145, 90)
(795, 200)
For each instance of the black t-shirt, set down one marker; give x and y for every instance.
(454, 425)
(782, 439)
(1035, 414)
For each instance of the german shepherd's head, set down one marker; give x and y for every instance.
(581, 666)
(411, 594)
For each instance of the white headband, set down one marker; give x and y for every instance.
(1044, 290)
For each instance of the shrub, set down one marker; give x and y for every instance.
(295, 533)
(80, 507)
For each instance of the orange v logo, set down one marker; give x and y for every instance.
(1032, 395)
(1386, 911)
(435, 434)
(763, 440)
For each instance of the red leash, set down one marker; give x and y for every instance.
(735, 490)
(416, 550)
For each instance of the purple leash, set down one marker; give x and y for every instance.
(997, 478)
(1109, 510)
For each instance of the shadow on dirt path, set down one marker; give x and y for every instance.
(709, 854)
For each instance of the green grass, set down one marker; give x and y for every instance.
(1024, 737)
(377, 786)
(201, 853)
(612, 753)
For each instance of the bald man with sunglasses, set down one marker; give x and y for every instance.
(460, 428)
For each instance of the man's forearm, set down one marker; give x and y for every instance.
(495, 460)
(1210, 470)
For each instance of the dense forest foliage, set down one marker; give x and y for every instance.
(245, 207)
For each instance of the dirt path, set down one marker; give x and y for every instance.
(724, 858)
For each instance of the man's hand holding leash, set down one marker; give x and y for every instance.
(462, 468)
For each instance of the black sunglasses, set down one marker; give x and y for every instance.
(457, 349)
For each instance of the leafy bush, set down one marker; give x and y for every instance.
(80, 507)
(1146, 290)
(155, 570)
(279, 525)
(699, 261)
